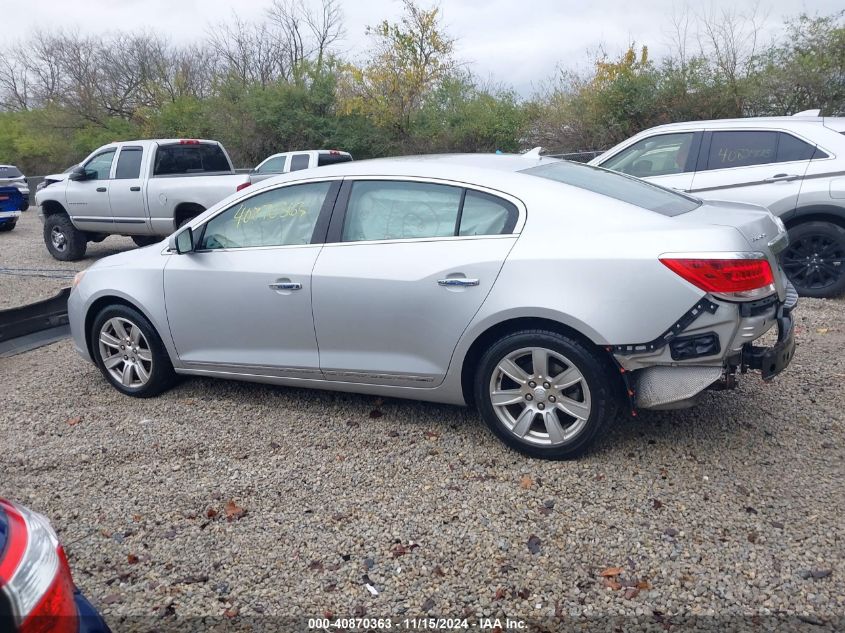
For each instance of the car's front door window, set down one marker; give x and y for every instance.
(281, 217)
(654, 156)
(99, 167)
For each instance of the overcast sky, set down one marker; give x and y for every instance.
(516, 42)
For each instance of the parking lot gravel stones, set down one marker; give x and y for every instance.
(235, 500)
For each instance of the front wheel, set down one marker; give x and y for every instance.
(545, 394)
(814, 261)
(130, 353)
(64, 241)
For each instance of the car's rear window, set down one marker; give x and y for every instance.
(10, 171)
(333, 158)
(615, 185)
(190, 159)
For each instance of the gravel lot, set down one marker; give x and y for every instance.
(229, 499)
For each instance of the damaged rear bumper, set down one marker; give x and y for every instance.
(656, 378)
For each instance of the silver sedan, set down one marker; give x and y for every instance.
(550, 295)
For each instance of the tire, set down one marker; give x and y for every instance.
(188, 213)
(592, 396)
(814, 261)
(8, 226)
(144, 240)
(64, 241)
(151, 372)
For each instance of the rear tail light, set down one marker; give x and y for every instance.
(189, 141)
(242, 186)
(35, 576)
(744, 277)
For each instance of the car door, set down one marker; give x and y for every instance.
(126, 195)
(666, 159)
(241, 302)
(88, 200)
(762, 167)
(406, 266)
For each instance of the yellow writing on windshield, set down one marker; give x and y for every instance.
(270, 211)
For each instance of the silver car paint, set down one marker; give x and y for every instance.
(578, 258)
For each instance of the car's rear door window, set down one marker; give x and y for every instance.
(615, 185)
(129, 163)
(299, 161)
(741, 149)
(484, 214)
(395, 210)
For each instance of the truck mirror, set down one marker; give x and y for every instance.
(78, 174)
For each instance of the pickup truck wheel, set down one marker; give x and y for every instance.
(544, 394)
(129, 352)
(144, 240)
(64, 241)
(814, 261)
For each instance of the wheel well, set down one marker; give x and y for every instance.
(184, 211)
(495, 332)
(95, 309)
(818, 216)
(51, 207)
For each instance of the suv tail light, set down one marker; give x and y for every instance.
(243, 185)
(745, 277)
(188, 141)
(34, 575)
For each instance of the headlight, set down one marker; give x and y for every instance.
(77, 278)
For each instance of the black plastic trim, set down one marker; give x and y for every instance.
(704, 305)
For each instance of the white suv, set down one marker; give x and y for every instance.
(794, 166)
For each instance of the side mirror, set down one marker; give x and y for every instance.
(183, 241)
(78, 174)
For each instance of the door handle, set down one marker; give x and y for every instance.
(286, 285)
(782, 178)
(134, 189)
(101, 189)
(457, 282)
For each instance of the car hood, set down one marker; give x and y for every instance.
(144, 257)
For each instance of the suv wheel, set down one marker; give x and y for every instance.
(544, 394)
(814, 261)
(64, 241)
(130, 353)
(8, 226)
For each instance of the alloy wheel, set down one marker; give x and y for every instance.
(540, 396)
(125, 352)
(814, 261)
(57, 237)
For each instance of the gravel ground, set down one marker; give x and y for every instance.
(228, 499)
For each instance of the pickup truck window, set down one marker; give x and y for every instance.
(190, 159)
(275, 165)
(280, 217)
(333, 158)
(129, 163)
(101, 165)
(299, 161)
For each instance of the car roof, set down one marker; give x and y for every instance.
(779, 121)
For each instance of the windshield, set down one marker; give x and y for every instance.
(9, 171)
(618, 186)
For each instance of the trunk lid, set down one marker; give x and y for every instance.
(761, 230)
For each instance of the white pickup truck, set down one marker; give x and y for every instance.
(142, 189)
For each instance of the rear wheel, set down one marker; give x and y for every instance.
(814, 261)
(8, 226)
(544, 394)
(64, 241)
(130, 353)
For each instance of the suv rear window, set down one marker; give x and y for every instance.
(10, 171)
(190, 159)
(333, 158)
(615, 185)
